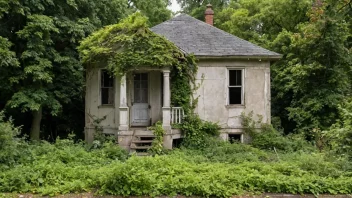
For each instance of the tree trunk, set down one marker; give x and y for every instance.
(35, 128)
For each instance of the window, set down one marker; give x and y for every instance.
(235, 87)
(234, 138)
(140, 88)
(107, 88)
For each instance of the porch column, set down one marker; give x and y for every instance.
(166, 100)
(124, 121)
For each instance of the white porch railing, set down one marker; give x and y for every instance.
(177, 115)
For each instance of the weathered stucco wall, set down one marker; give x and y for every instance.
(94, 109)
(212, 95)
(213, 92)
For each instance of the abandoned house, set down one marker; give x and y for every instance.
(234, 77)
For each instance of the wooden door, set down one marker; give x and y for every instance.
(140, 106)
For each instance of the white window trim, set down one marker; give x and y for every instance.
(100, 88)
(243, 73)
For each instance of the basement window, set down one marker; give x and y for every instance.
(107, 88)
(235, 138)
(235, 87)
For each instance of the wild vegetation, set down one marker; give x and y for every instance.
(307, 150)
(130, 45)
(41, 74)
(219, 169)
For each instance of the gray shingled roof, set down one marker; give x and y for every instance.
(194, 36)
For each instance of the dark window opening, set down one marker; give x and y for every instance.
(235, 87)
(176, 143)
(235, 138)
(107, 88)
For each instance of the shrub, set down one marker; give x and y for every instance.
(197, 132)
(221, 170)
(339, 135)
(157, 144)
(172, 175)
(222, 151)
(264, 136)
(61, 167)
(8, 141)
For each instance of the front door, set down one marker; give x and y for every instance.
(140, 105)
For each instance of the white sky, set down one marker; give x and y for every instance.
(174, 6)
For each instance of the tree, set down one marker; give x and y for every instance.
(315, 72)
(45, 36)
(196, 8)
(155, 10)
(314, 37)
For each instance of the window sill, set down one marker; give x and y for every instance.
(106, 106)
(234, 106)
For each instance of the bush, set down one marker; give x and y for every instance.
(223, 152)
(216, 169)
(339, 136)
(264, 136)
(8, 141)
(157, 145)
(197, 132)
(62, 167)
(172, 175)
(220, 170)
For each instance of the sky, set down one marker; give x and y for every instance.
(174, 6)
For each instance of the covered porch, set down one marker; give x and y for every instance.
(144, 96)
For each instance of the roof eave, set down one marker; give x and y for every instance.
(242, 57)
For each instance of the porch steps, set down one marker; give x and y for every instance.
(141, 141)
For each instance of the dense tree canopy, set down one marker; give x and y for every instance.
(42, 77)
(40, 67)
(314, 36)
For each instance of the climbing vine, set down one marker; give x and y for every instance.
(157, 145)
(130, 45)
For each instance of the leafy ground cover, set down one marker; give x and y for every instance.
(220, 169)
(230, 169)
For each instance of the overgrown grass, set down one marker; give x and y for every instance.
(221, 169)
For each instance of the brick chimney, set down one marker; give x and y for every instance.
(209, 15)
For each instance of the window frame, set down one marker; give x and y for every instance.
(228, 86)
(101, 86)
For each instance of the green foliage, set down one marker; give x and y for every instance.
(155, 10)
(99, 137)
(313, 77)
(130, 45)
(157, 144)
(197, 131)
(221, 170)
(218, 150)
(7, 57)
(61, 167)
(196, 8)
(172, 175)
(339, 135)
(41, 69)
(264, 136)
(8, 141)
(315, 72)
